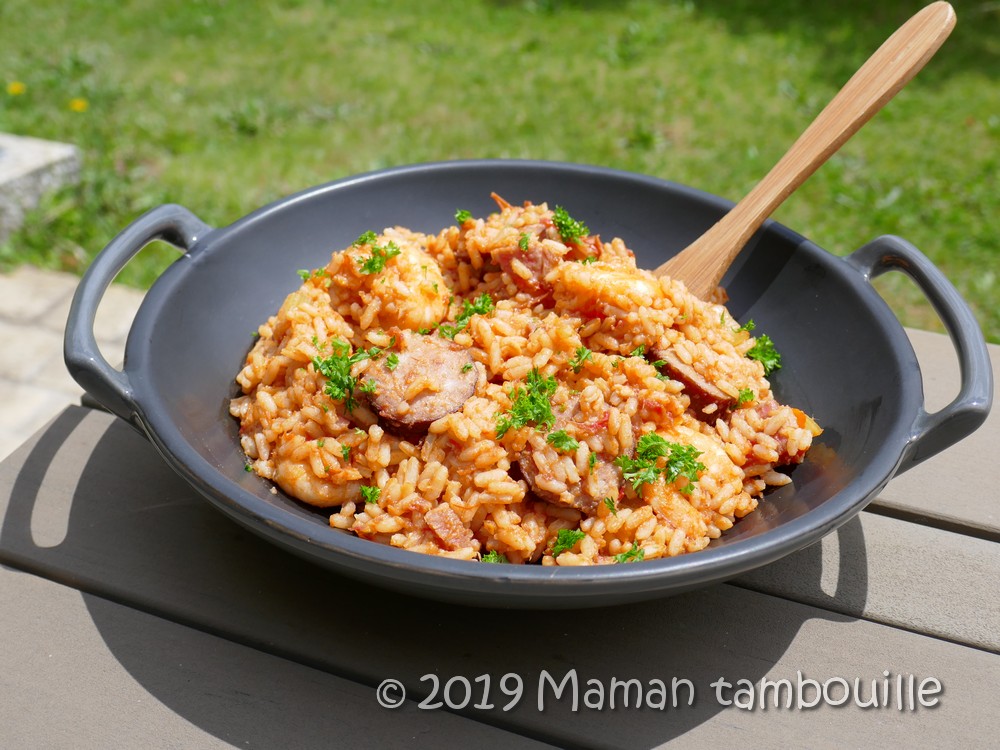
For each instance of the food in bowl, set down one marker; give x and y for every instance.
(514, 389)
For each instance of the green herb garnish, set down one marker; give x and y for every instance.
(494, 557)
(569, 228)
(462, 216)
(745, 396)
(369, 386)
(764, 352)
(345, 451)
(530, 405)
(566, 540)
(748, 326)
(582, 355)
(522, 241)
(633, 555)
(468, 366)
(610, 504)
(304, 274)
(337, 370)
(380, 254)
(563, 441)
(392, 361)
(370, 494)
(681, 461)
(639, 351)
(592, 461)
(482, 305)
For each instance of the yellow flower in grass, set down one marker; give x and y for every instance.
(16, 88)
(78, 104)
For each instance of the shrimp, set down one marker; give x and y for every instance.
(602, 289)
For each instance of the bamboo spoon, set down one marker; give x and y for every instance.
(702, 264)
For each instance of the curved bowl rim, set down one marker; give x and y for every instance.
(451, 579)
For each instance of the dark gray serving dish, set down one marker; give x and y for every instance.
(847, 362)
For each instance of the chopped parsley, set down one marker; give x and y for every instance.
(304, 274)
(462, 216)
(588, 260)
(566, 540)
(582, 355)
(748, 326)
(569, 228)
(592, 461)
(764, 352)
(482, 305)
(380, 254)
(468, 366)
(369, 386)
(321, 442)
(247, 467)
(530, 405)
(392, 361)
(494, 557)
(610, 504)
(639, 351)
(522, 241)
(370, 494)
(337, 370)
(345, 451)
(681, 461)
(563, 441)
(746, 395)
(634, 554)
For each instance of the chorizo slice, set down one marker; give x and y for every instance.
(423, 379)
(703, 394)
(539, 464)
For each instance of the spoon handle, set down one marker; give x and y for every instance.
(702, 264)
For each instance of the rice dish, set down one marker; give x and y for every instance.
(514, 389)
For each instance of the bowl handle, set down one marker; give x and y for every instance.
(932, 433)
(111, 387)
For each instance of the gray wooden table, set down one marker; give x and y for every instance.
(132, 614)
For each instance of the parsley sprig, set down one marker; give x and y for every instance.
(764, 352)
(569, 228)
(633, 555)
(530, 405)
(380, 254)
(566, 540)
(482, 305)
(563, 441)
(494, 557)
(581, 355)
(645, 468)
(336, 368)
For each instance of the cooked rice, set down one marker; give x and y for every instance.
(457, 489)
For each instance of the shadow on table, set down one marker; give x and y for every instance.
(136, 534)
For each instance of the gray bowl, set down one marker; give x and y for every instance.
(846, 360)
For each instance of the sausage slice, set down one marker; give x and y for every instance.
(423, 379)
(702, 393)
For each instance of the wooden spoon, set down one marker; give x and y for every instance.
(702, 264)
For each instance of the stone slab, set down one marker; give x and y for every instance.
(30, 168)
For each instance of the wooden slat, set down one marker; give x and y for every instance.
(958, 487)
(78, 671)
(902, 574)
(137, 535)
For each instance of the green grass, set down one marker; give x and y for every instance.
(225, 106)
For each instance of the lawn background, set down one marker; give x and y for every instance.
(225, 106)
